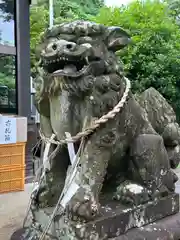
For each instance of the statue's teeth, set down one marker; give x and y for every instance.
(87, 60)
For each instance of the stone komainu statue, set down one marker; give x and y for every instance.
(127, 158)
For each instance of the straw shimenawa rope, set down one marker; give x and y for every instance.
(110, 115)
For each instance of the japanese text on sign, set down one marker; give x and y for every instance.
(8, 130)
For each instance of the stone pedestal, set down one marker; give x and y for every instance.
(165, 229)
(118, 222)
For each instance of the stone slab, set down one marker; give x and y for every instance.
(18, 235)
(165, 229)
(115, 221)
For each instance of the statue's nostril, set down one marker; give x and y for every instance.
(54, 46)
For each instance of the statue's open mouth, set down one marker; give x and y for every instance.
(65, 66)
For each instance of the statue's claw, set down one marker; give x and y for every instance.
(82, 206)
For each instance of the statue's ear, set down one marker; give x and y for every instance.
(117, 38)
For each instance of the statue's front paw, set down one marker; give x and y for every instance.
(131, 193)
(43, 199)
(41, 196)
(82, 206)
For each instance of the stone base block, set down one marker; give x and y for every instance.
(118, 222)
(165, 229)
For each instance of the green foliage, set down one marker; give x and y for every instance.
(80, 8)
(7, 70)
(174, 6)
(8, 81)
(76, 8)
(7, 7)
(153, 58)
(38, 23)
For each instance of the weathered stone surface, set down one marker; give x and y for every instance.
(114, 220)
(158, 110)
(79, 79)
(163, 119)
(18, 235)
(165, 229)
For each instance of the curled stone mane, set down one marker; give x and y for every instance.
(78, 28)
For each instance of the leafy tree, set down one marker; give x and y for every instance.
(153, 58)
(7, 90)
(7, 80)
(7, 7)
(76, 7)
(7, 64)
(38, 23)
(174, 6)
